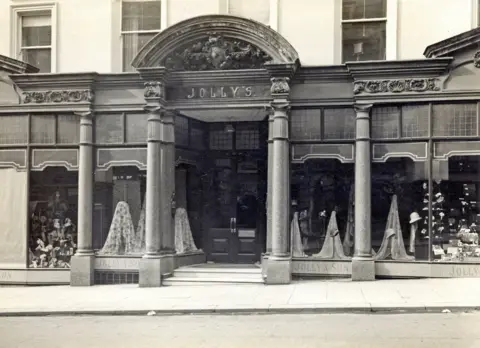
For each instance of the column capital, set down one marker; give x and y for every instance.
(84, 113)
(278, 105)
(365, 108)
(153, 108)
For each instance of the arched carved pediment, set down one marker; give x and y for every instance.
(216, 52)
(216, 42)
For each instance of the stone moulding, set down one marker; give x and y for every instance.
(476, 59)
(395, 86)
(66, 96)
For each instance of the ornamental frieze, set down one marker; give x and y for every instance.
(395, 86)
(72, 96)
(217, 53)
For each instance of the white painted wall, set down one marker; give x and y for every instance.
(424, 22)
(88, 36)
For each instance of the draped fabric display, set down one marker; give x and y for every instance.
(297, 246)
(392, 244)
(13, 217)
(128, 191)
(184, 242)
(348, 239)
(121, 236)
(140, 233)
(332, 246)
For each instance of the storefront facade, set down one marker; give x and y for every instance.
(363, 170)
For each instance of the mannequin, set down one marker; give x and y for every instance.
(414, 218)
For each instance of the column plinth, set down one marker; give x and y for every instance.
(363, 266)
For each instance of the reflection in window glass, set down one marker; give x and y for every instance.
(363, 41)
(400, 210)
(322, 200)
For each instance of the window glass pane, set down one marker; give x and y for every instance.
(132, 43)
(363, 41)
(358, 9)
(136, 128)
(140, 15)
(385, 122)
(415, 121)
(258, 10)
(456, 209)
(454, 119)
(40, 58)
(247, 137)
(68, 129)
(37, 36)
(400, 215)
(181, 131)
(42, 129)
(339, 124)
(306, 124)
(322, 195)
(13, 129)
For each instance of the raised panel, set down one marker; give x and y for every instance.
(343, 152)
(43, 158)
(416, 151)
(13, 158)
(107, 158)
(445, 149)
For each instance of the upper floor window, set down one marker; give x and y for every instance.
(364, 30)
(140, 22)
(258, 10)
(36, 41)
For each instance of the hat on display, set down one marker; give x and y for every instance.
(414, 217)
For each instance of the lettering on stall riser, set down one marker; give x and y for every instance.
(320, 268)
(115, 263)
(5, 275)
(220, 92)
(465, 271)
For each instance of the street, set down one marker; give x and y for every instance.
(307, 330)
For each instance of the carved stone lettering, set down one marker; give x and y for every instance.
(5, 275)
(322, 267)
(68, 96)
(115, 263)
(395, 86)
(219, 92)
(216, 52)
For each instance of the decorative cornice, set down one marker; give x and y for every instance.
(395, 86)
(52, 82)
(54, 97)
(14, 66)
(453, 44)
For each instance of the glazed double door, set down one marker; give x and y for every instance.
(236, 229)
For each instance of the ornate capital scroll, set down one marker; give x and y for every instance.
(395, 86)
(280, 85)
(153, 89)
(65, 96)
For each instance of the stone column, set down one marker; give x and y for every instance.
(82, 263)
(278, 268)
(152, 264)
(269, 184)
(363, 266)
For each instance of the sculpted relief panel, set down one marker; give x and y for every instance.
(216, 53)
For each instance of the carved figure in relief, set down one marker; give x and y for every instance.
(217, 53)
(280, 85)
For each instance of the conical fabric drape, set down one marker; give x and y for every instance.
(183, 234)
(332, 246)
(140, 232)
(121, 236)
(348, 239)
(297, 247)
(392, 243)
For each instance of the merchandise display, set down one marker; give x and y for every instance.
(332, 246)
(297, 245)
(121, 236)
(184, 242)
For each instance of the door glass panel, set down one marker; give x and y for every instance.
(223, 186)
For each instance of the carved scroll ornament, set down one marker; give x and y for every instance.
(280, 85)
(476, 59)
(72, 96)
(217, 53)
(395, 86)
(153, 89)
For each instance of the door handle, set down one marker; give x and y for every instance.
(234, 229)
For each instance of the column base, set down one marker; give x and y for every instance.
(82, 270)
(153, 269)
(264, 265)
(363, 269)
(278, 270)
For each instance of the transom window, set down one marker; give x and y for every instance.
(364, 30)
(141, 21)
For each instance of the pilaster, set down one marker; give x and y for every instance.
(278, 268)
(82, 263)
(363, 266)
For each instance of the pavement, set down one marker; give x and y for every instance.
(312, 296)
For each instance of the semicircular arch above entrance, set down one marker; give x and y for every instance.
(216, 42)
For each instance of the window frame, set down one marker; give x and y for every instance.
(390, 21)
(17, 14)
(124, 33)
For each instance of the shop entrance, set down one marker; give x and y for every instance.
(237, 217)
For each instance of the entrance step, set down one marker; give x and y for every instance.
(215, 274)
